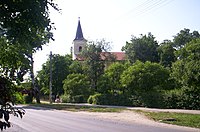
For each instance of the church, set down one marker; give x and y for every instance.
(80, 42)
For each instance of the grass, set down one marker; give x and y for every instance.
(181, 119)
(76, 108)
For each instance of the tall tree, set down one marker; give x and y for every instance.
(24, 27)
(110, 80)
(166, 53)
(76, 88)
(186, 70)
(143, 48)
(183, 37)
(95, 60)
(60, 70)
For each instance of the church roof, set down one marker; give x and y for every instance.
(79, 33)
(119, 56)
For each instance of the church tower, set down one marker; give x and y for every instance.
(79, 42)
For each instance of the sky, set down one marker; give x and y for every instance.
(116, 21)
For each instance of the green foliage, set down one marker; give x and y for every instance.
(96, 99)
(184, 37)
(145, 77)
(76, 67)
(166, 53)
(173, 98)
(77, 86)
(60, 70)
(184, 98)
(94, 64)
(109, 81)
(65, 98)
(28, 99)
(143, 49)
(186, 70)
(182, 119)
(7, 89)
(19, 99)
(25, 27)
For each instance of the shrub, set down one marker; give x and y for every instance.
(152, 99)
(96, 99)
(109, 99)
(191, 98)
(65, 98)
(184, 98)
(173, 98)
(79, 99)
(19, 98)
(28, 99)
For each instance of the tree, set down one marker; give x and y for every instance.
(76, 67)
(95, 60)
(183, 37)
(144, 82)
(143, 49)
(145, 76)
(110, 80)
(60, 70)
(24, 27)
(77, 88)
(166, 53)
(186, 69)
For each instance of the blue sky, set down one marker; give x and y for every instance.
(117, 20)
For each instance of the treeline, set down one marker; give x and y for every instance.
(165, 75)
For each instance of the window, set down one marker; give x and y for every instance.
(80, 49)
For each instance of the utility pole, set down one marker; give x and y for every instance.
(50, 82)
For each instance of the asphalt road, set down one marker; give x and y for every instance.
(46, 120)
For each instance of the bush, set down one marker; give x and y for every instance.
(191, 98)
(19, 98)
(173, 98)
(65, 98)
(184, 98)
(153, 99)
(28, 99)
(109, 99)
(75, 99)
(96, 99)
(78, 99)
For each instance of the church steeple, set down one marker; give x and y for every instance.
(79, 42)
(79, 33)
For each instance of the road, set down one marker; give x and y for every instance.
(48, 120)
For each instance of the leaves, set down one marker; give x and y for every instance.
(60, 70)
(143, 49)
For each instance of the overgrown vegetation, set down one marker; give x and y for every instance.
(162, 75)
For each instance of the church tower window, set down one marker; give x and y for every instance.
(80, 49)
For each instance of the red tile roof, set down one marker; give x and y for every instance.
(117, 55)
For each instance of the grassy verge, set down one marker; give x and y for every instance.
(181, 119)
(76, 108)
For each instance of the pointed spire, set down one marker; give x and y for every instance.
(79, 33)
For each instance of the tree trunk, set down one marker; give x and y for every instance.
(34, 86)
